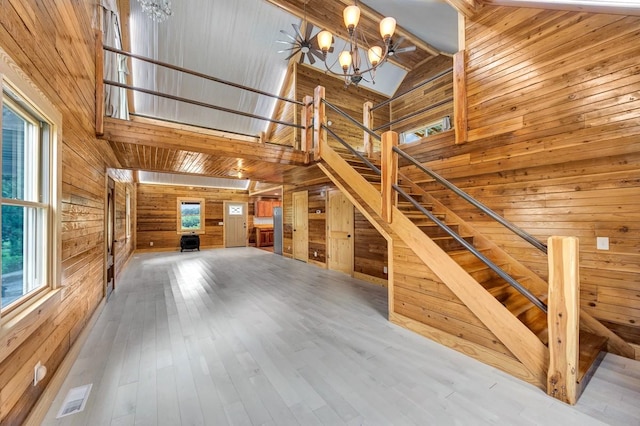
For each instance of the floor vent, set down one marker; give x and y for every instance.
(75, 400)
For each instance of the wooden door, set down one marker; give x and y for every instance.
(110, 214)
(235, 224)
(301, 226)
(340, 232)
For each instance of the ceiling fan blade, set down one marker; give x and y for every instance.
(308, 30)
(405, 49)
(287, 50)
(310, 56)
(292, 55)
(298, 33)
(397, 43)
(317, 53)
(284, 42)
(289, 35)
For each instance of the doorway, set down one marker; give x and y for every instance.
(235, 224)
(301, 225)
(110, 215)
(340, 232)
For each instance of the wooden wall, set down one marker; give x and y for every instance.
(429, 94)
(157, 215)
(125, 245)
(370, 248)
(53, 43)
(573, 166)
(286, 111)
(351, 100)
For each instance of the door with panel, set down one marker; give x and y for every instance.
(235, 224)
(110, 269)
(340, 232)
(301, 225)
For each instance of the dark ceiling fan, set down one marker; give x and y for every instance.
(303, 43)
(395, 49)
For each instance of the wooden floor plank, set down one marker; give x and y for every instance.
(243, 336)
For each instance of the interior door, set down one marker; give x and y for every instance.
(110, 237)
(301, 226)
(235, 224)
(340, 226)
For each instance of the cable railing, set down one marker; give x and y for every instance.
(414, 114)
(352, 120)
(493, 215)
(351, 149)
(413, 89)
(200, 103)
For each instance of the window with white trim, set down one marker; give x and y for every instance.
(29, 183)
(127, 212)
(191, 215)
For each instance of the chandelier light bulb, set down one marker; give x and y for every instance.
(325, 39)
(351, 17)
(387, 28)
(345, 60)
(375, 54)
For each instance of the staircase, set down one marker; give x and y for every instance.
(593, 339)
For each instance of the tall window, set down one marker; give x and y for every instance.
(191, 215)
(127, 212)
(26, 200)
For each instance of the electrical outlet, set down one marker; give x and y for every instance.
(39, 372)
(602, 243)
(315, 254)
(150, 243)
(385, 270)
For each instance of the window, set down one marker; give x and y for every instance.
(235, 210)
(28, 203)
(191, 215)
(424, 131)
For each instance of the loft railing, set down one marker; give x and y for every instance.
(100, 90)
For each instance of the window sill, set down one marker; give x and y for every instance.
(17, 326)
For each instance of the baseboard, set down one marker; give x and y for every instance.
(485, 355)
(371, 279)
(43, 404)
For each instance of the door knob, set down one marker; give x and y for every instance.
(348, 235)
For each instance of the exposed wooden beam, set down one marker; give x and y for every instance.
(467, 7)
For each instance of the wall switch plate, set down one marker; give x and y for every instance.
(385, 270)
(150, 243)
(220, 223)
(602, 243)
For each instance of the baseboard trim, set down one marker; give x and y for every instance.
(43, 404)
(371, 279)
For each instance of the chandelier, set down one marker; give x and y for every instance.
(158, 10)
(354, 67)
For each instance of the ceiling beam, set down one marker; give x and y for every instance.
(467, 7)
(559, 5)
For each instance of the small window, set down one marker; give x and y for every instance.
(190, 215)
(26, 216)
(235, 210)
(424, 131)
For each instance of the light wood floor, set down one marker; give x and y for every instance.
(246, 337)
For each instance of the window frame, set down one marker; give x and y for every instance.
(17, 90)
(190, 200)
(127, 212)
(425, 127)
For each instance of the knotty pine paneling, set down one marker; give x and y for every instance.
(52, 42)
(574, 166)
(125, 244)
(157, 215)
(429, 94)
(349, 99)
(370, 248)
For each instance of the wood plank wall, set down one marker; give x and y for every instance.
(53, 43)
(351, 100)
(370, 248)
(125, 245)
(429, 94)
(574, 166)
(286, 111)
(157, 215)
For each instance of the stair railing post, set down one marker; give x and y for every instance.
(319, 119)
(389, 168)
(367, 121)
(563, 318)
(460, 96)
(307, 132)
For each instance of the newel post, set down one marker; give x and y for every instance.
(367, 121)
(307, 122)
(319, 118)
(389, 167)
(99, 84)
(460, 97)
(563, 318)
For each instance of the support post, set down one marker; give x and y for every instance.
(563, 318)
(319, 118)
(99, 84)
(367, 121)
(262, 138)
(307, 122)
(460, 96)
(389, 167)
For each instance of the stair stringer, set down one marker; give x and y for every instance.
(537, 285)
(524, 344)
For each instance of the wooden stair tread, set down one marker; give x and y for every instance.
(590, 347)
